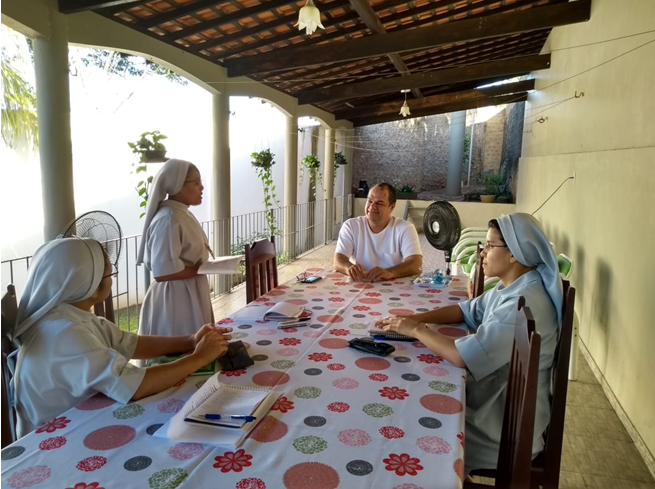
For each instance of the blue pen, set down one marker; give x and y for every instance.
(246, 418)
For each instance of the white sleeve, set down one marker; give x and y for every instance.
(346, 241)
(409, 242)
(165, 246)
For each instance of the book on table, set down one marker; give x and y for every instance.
(225, 265)
(197, 421)
(283, 311)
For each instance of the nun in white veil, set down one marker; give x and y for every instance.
(173, 245)
(519, 253)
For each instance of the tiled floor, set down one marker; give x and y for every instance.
(597, 452)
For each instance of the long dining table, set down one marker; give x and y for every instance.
(345, 418)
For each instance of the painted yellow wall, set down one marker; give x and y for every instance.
(605, 221)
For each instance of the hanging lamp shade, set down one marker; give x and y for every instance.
(404, 110)
(309, 18)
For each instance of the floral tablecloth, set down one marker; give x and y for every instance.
(346, 419)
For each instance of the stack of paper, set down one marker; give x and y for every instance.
(225, 265)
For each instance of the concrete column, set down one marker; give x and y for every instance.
(221, 181)
(290, 185)
(347, 170)
(53, 115)
(456, 153)
(328, 183)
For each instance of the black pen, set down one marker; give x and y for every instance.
(293, 324)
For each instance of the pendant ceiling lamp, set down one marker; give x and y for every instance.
(309, 18)
(404, 110)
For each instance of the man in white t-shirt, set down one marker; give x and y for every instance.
(378, 246)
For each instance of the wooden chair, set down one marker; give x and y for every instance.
(478, 282)
(515, 454)
(9, 313)
(261, 268)
(105, 309)
(546, 467)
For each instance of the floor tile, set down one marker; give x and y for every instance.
(598, 482)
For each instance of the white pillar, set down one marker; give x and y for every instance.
(328, 183)
(456, 153)
(53, 116)
(290, 185)
(221, 180)
(348, 170)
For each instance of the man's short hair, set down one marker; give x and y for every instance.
(390, 190)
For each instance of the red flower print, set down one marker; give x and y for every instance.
(320, 357)
(91, 463)
(429, 358)
(433, 291)
(461, 438)
(373, 313)
(402, 464)
(373, 294)
(235, 461)
(225, 321)
(338, 407)
(334, 292)
(393, 393)
(269, 304)
(251, 483)
(283, 405)
(282, 287)
(55, 424)
(391, 432)
(341, 284)
(378, 377)
(336, 299)
(405, 295)
(336, 366)
(290, 341)
(233, 373)
(261, 299)
(362, 308)
(290, 330)
(82, 485)
(418, 344)
(52, 443)
(339, 332)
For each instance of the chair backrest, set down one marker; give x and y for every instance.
(9, 313)
(478, 282)
(547, 466)
(515, 454)
(105, 309)
(261, 268)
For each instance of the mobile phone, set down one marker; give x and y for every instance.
(312, 279)
(368, 345)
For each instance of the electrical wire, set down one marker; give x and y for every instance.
(551, 195)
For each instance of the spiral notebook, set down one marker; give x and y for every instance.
(387, 335)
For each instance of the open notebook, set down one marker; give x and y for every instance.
(286, 310)
(190, 424)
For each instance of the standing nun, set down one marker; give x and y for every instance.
(173, 246)
(518, 252)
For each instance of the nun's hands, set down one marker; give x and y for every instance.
(399, 324)
(212, 342)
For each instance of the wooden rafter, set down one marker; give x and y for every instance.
(444, 109)
(390, 108)
(73, 6)
(414, 39)
(507, 67)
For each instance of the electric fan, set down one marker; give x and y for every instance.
(102, 227)
(442, 228)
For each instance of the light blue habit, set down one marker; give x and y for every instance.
(487, 351)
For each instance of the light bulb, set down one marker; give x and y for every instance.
(404, 110)
(309, 18)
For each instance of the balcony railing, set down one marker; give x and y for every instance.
(299, 229)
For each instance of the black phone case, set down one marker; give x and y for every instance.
(236, 357)
(369, 346)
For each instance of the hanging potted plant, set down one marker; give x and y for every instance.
(262, 162)
(406, 192)
(340, 159)
(313, 165)
(149, 148)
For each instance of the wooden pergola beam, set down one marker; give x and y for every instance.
(392, 108)
(73, 6)
(443, 109)
(490, 69)
(414, 39)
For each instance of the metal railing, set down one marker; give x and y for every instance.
(299, 229)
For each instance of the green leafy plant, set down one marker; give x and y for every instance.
(262, 162)
(312, 164)
(340, 159)
(493, 184)
(405, 189)
(144, 147)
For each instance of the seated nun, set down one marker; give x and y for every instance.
(520, 255)
(67, 354)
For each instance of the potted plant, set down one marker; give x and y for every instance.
(262, 162)
(340, 159)
(493, 185)
(406, 192)
(149, 148)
